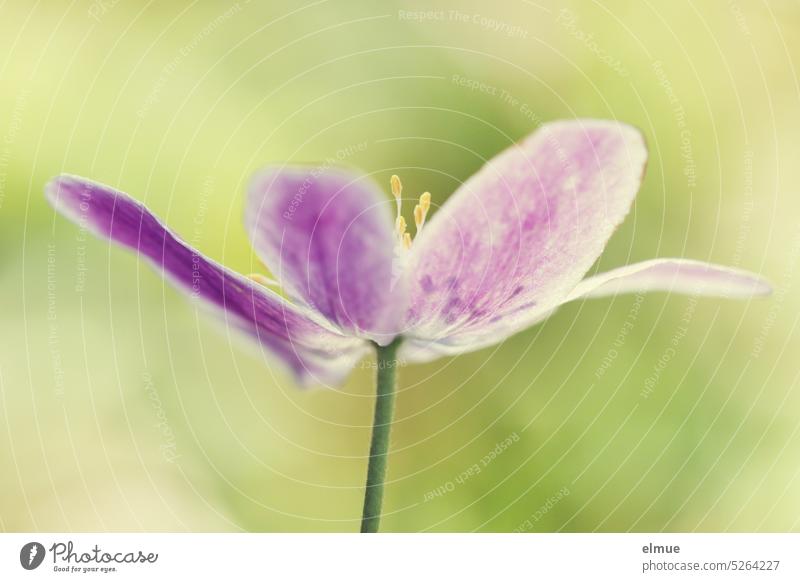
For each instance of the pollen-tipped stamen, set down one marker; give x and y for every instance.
(421, 210)
(397, 192)
(425, 201)
(420, 213)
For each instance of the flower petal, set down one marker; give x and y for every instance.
(326, 234)
(673, 275)
(522, 232)
(311, 350)
(420, 350)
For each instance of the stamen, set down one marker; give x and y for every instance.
(419, 216)
(421, 210)
(397, 186)
(425, 201)
(400, 226)
(397, 192)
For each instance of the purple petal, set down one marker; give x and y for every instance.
(312, 352)
(326, 234)
(418, 350)
(675, 276)
(671, 275)
(520, 234)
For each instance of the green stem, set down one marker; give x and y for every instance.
(379, 446)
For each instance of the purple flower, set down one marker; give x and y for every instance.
(513, 244)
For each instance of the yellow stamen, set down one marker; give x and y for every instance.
(425, 201)
(397, 191)
(397, 186)
(419, 216)
(421, 210)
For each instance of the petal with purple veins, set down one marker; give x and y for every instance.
(311, 350)
(670, 275)
(326, 234)
(522, 232)
(420, 350)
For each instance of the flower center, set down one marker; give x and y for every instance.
(420, 212)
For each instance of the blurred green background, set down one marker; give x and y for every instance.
(125, 409)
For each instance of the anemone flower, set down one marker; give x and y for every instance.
(512, 244)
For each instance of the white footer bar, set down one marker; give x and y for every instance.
(389, 557)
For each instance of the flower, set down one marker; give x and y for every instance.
(512, 244)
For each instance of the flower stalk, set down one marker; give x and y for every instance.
(381, 428)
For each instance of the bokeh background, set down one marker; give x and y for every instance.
(123, 408)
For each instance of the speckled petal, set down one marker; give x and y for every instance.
(420, 350)
(312, 351)
(518, 236)
(326, 234)
(670, 275)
